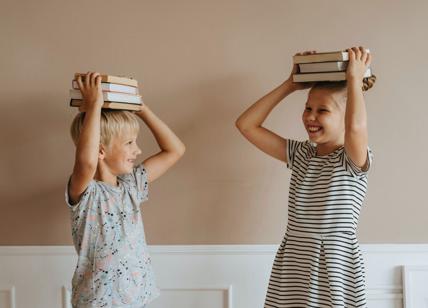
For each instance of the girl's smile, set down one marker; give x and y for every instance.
(323, 118)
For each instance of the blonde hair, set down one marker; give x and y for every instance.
(113, 123)
(368, 83)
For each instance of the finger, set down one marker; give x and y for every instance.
(87, 77)
(94, 81)
(363, 54)
(357, 53)
(351, 54)
(368, 60)
(98, 80)
(79, 82)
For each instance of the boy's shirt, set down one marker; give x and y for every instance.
(114, 268)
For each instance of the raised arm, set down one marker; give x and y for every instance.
(356, 135)
(87, 147)
(171, 147)
(250, 122)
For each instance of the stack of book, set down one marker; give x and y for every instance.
(325, 66)
(118, 93)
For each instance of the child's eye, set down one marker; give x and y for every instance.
(323, 110)
(308, 109)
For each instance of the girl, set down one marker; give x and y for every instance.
(319, 263)
(104, 194)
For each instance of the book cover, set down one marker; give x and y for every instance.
(338, 66)
(113, 87)
(328, 76)
(109, 105)
(322, 57)
(111, 97)
(114, 79)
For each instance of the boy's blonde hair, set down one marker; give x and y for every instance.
(113, 122)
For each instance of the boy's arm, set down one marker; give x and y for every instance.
(356, 135)
(87, 148)
(171, 147)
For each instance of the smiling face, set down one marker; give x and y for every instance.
(324, 116)
(120, 155)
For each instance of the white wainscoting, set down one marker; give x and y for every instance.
(214, 276)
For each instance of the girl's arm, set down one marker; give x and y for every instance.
(356, 135)
(87, 147)
(250, 122)
(171, 147)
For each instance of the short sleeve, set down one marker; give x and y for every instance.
(141, 180)
(84, 198)
(294, 149)
(353, 169)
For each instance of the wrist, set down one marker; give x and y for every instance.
(354, 81)
(289, 85)
(143, 110)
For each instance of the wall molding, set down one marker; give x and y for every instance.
(206, 249)
(10, 293)
(219, 276)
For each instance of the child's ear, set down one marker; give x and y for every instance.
(102, 152)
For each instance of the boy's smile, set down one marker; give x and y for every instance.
(121, 154)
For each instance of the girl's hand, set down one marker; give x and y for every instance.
(299, 85)
(91, 91)
(359, 61)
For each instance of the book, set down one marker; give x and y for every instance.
(322, 57)
(113, 79)
(327, 76)
(113, 87)
(109, 105)
(338, 66)
(111, 97)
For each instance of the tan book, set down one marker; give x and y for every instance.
(329, 76)
(114, 79)
(109, 105)
(322, 57)
(337, 66)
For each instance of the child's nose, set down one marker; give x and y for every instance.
(311, 117)
(137, 150)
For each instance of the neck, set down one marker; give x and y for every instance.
(104, 175)
(327, 148)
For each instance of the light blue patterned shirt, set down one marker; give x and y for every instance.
(113, 268)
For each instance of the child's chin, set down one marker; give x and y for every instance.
(313, 138)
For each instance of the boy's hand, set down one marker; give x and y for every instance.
(299, 85)
(91, 90)
(359, 61)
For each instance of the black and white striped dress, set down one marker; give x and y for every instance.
(319, 262)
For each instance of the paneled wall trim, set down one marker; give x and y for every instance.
(197, 276)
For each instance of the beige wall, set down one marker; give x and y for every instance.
(200, 64)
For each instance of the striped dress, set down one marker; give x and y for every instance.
(319, 262)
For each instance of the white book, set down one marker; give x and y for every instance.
(111, 97)
(109, 105)
(319, 67)
(329, 76)
(113, 87)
